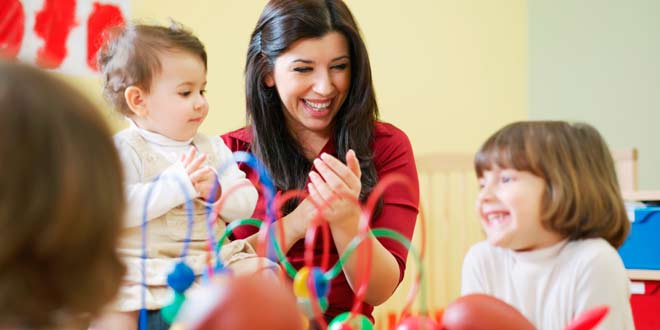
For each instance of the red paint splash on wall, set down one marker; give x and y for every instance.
(101, 18)
(53, 24)
(12, 27)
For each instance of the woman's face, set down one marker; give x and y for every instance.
(312, 79)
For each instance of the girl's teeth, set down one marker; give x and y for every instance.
(496, 217)
(317, 106)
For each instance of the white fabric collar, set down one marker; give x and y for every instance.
(540, 255)
(157, 138)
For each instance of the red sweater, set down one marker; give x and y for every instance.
(392, 154)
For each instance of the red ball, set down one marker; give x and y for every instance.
(483, 312)
(253, 302)
(418, 323)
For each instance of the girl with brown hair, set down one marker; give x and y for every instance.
(553, 215)
(61, 204)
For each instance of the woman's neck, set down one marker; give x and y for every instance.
(312, 142)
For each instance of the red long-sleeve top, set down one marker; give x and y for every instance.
(392, 153)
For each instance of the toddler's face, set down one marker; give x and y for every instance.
(176, 104)
(509, 205)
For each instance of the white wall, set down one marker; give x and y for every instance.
(599, 61)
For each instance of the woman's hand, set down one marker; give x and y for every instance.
(340, 184)
(297, 222)
(343, 215)
(294, 224)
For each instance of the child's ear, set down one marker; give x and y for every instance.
(134, 97)
(269, 80)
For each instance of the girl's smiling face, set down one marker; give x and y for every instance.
(509, 205)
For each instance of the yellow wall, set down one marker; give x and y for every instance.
(448, 72)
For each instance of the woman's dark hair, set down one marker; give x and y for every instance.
(282, 23)
(61, 202)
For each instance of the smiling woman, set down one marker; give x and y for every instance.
(312, 79)
(314, 124)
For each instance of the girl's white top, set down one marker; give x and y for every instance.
(552, 286)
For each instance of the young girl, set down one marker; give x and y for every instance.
(156, 76)
(553, 215)
(61, 202)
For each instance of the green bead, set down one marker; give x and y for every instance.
(359, 322)
(170, 311)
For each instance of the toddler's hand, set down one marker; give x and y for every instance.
(192, 163)
(204, 179)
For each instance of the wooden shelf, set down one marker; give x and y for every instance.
(643, 274)
(642, 195)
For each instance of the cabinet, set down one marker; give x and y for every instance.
(645, 284)
(644, 196)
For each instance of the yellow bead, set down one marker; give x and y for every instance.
(300, 283)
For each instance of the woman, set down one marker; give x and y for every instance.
(311, 103)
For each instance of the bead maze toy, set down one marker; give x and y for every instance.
(229, 301)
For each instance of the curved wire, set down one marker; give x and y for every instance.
(273, 206)
(310, 236)
(186, 242)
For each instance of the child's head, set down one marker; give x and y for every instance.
(543, 181)
(61, 202)
(156, 76)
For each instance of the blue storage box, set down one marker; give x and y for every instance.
(641, 250)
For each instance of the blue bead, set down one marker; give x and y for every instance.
(321, 284)
(181, 278)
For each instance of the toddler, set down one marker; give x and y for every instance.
(156, 77)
